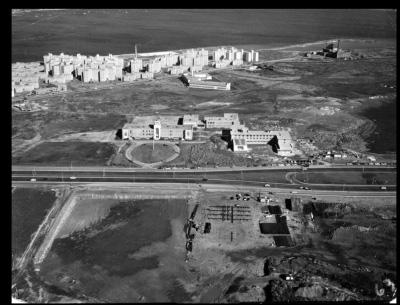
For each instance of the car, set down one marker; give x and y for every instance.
(267, 185)
(307, 188)
(287, 277)
(270, 193)
(294, 192)
(33, 180)
(314, 198)
(383, 188)
(72, 177)
(204, 179)
(302, 188)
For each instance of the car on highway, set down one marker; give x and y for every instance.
(294, 192)
(72, 177)
(304, 188)
(204, 179)
(383, 188)
(267, 185)
(33, 180)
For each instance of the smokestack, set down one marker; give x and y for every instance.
(135, 51)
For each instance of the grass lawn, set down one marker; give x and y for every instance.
(145, 153)
(348, 178)
(63, 153)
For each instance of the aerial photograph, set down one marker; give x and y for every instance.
(203, 155)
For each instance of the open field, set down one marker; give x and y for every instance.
(348, 178)
(67, 153)
(302, 94)
(29, 206)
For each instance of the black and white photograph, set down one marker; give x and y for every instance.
(208, 155)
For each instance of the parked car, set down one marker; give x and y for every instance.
(287, 277)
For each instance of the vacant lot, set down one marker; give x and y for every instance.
(348, 178)
(146, 154)
(136, 250)
(29, 207)
(63, 153)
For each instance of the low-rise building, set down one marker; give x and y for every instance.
(157, 128)
(192, 82)
(239, 145)
(229, 120)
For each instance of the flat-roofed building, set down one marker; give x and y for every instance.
(261, 137)
(239, 145)
(157, 128)
(191, 120)
(229, 120)
(192, 82)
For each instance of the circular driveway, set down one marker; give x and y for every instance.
(135, 144)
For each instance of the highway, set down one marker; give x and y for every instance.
(256, 177)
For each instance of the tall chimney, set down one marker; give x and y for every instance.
(135, 51)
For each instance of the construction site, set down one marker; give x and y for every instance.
(207, 244)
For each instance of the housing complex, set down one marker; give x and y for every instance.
(58, 70)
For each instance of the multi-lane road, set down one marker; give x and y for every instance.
(258, 177)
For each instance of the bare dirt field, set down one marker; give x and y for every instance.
(104, 251)
(29, 206)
